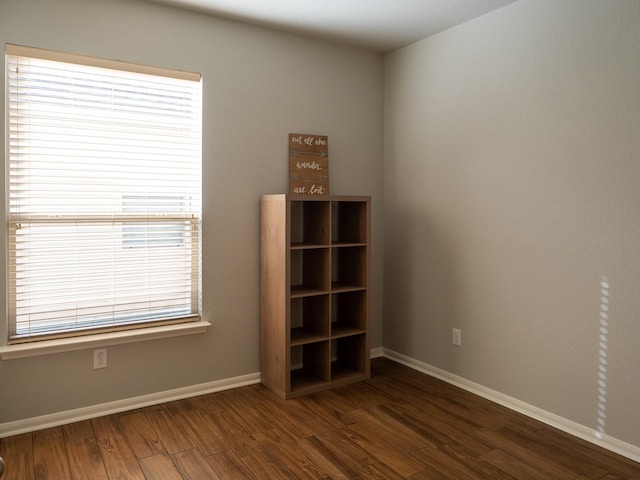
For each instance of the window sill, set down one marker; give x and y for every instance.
(46, 347)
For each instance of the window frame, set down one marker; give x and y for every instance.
(121, 333)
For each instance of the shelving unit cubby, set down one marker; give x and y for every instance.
(314, 280)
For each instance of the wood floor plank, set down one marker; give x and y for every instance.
(516, 467)
(429, 473)
(240, 442)
(119, 460)
(78, 432)
(400, 424)
(339, 441)
(244, 413)
(85, 461)
(514, 420)
(285, 416)
(275, 436)
(300, 464)
(159, 467)
(454, 467)
(16, 444)
(438, 428)
(457, 407)
(192, 465)
(385, 425)
(140, 434)
(380, 471)
(443, 463)
(578, 450)
(372, 392)
(173, 434)
(335, 403)
(325, 453)
(316, 452)
(203, 433)
(261, 465)
(210, 438)
(327, 412)
(466, 446)
(381, 392)
(507, 452)
(477, 465)
(387, 454)
(50, 455)
(106, 427)
(205, 403)
(19, 466)
(228, 465)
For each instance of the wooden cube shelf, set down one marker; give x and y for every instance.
(314, 302)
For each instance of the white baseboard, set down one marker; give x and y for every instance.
(377, 352)
(85, 413)
(589, 434)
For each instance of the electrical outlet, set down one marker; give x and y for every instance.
(456, 336)
(100, 358)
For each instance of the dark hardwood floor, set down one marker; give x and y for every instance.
(398, 425)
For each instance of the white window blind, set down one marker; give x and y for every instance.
(104, 194)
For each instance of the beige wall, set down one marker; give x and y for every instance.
(259, 86)
(512, 186)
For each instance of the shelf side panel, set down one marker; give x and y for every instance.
(274, 300)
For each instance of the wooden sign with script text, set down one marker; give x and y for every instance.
(308, 164)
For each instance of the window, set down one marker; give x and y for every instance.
(104, 194)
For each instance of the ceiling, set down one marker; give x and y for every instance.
(377, 25)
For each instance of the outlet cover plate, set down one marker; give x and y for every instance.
(100, 358)
(456, 336)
